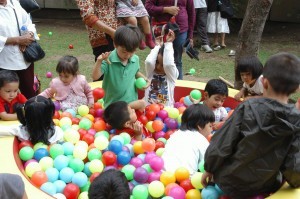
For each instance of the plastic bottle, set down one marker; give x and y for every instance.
(24, 30)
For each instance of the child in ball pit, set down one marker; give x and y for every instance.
(70, 88)
(121, 116)
(257, 149)
(215, 93)
(36, 122)
(186, 147)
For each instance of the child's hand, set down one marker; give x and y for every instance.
(138, 130)
(147, 85)
(104, 56)
(206, 177)
(52, 91)
(110, 2)
(134, 2)
(91, 105)
(238, 96)
(159, 40)
(170, 36)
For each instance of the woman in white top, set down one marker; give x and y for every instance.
(162, 72)
(36, 122)
(12, 44)
(186, 147)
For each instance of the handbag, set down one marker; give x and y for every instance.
(162, 28)
(29, 5)
(225, 9)
(33, 52)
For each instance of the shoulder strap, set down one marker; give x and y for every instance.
(16, 18)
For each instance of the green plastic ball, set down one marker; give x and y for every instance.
(192, 71)
(83, 110)
(195, 94)
(140, 82)
(128, 170)
(50, 33)
(26, 153)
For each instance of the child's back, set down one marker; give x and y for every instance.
(260, 141)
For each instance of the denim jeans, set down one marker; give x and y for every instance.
(178, 50)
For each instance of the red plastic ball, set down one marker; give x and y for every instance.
(38, 178)
(98, 93)
(109, 158)
(143, 119)
(186, 185)
(56, 115)
(93, 176)
(25, 143)
(75, 120)
(168, 134)
(159, 144)
(71, 191)
(99, 125)
(97, 105)
(88, 138)
(150, 115)
(82, 132)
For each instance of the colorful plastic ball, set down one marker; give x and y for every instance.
(195, 94)
(31, 168)
(99, 112)
(149, 127)
(156, 163)
(163, 139)
(56, 150)
(60, 185)
(148, 168)
(98, 93)
(150, 115)
(181, 174)
(140, 82)
(193, 194)
(158, 145)
(172, 124)
(59, 196)
(209, 192)
(128, 170)
(140, 175)
(157, 125)
(140, 192)
(40, 153)
(167, 197)
(80, 179)
(94, 154)
(123, 157)
(148, 144)
(65, 121)
(29, 161)
(49, 188)
(137, 147)
(201, 166)
(80, 152)
(38, 178)
(154, 107)
(93, 176)
(56, 105)
(99, 125)
(159, 134)
(96, 166)
(86, 187)
(72, 136)
(68, 148)
(83, 195)
(26, 153)
(115, 146)
(52, 174)
(177, 192)
(25, 143)
(220, 191)
(143, 119)
(154, 176)
(160, 151)
(148, 157)
(85, 124)
(173, 113)
(186, 185)
(126, 137)
(136, 162)
(163, 114)
(196, 180)
(83, 110)
(101, 142)
(167, 177)
(66, 174)
(192, 71)
(61, 162)
(76, 164)
(119, 138)
(156, 189)
(109, 158)
(187, 101)
(46, 162)
(71, 191)
(169, 186)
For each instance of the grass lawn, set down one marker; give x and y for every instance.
(277, 37)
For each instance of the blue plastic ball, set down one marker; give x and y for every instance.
(60, 185)
(66, 174)
(49, 188)
(210, 192)
(68, 148)
(40, 153)
(80, 179)
(87, 170)
(52, 174)
(123, 157)
(115, 146)
(61, 162)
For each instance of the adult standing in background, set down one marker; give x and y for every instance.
(101, 22)
(200, 25)
(184, 14)
(12, 44)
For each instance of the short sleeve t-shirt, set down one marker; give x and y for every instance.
(9, 106)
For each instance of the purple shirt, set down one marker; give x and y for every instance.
(185, 18)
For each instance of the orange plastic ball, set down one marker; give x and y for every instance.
(181, 109)
(99, 125)
(90, 117)
(182, 174)
(157, 125)
(66, 114)
(148, 144)
(38, 178)
(154, 107)
(181, 100)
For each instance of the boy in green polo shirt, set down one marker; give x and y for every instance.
(121, 67)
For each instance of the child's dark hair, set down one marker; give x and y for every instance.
(282, 70)
(216, 86)
(7, 76)
(250, 64)
(110, 184)
(128, 36)
(36, 115)
(116, 114)
(68, 64)
(196, 115)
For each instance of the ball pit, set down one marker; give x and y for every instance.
(69, 171)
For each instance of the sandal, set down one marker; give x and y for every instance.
(217, 47)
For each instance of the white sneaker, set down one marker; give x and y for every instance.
(206, 48)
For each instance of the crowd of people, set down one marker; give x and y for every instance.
(252, 154)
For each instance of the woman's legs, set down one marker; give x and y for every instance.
(26, 77)
(144, 21)
(178, 50)
(223, 39)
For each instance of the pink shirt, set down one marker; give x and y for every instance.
(79, 85)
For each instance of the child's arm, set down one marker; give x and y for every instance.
(240, 94)
(88, 93)
(8, 116)
(206, 177)
(139, 74)
(151, 60)
(97, 67)
(49, 92)
(12, 130)
(138, 105)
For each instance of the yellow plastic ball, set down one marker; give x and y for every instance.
(82, 144)
(160, 151)
(46, 163)
(80, 152)
(65, 121)
(72, 136)
(149, 126)
(83, 195)
(156, 189)
(101, 142)
(137, 147)
(83, 110)
(173, 113)
(167, 177)
(39, 145)
(193, 194)
(96, 166)
(196, 180)
(182, 174)
(75, 127)
(31, 168)
(56, 122)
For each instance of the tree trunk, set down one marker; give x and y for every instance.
(250, 33)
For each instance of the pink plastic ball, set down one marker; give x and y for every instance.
(29, 161)
(159, 134)
(49, 75)
(154, 176)
(99, 112)
(177, 192)
(136, 162)
(163, 114)
(156, 163)
(149, 156)
(140, 175)
(92, 131)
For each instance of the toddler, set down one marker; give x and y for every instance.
(250, 69)
(131, 11)
(120, 67)
(70, 88)
(36, 122)
(161, 72)
(257, 149)
(215, 93)
(10, 95)
(122, 117)
(186, 147)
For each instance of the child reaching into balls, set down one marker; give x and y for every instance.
(10, 95)
(257, 148)
(70, 88)
(122, 117)
(162, 72)
(215, 93)
(36, 121)
(121, 67)
(186, 147)
(250, 69)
